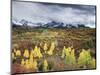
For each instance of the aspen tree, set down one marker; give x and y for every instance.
(13, 55)
(35, 51)
(84, 58)
(63, 52)
(22, 62)
(72, 57)
(26, 53)
(39, 53)
(27, 64)
(67, 56)
(14, 50)
(45, 47)
(93, 63)
(45, 65)
(35, 64)
(52, 47)
(18, 53)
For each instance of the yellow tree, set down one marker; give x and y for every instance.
(36, 52)
(93, 63)
(31, 58)
(32, 52)
(26, 53)
(32, 62)
(45, 47)
(72, 57)
(52, 47)
(45, 65)
(67, 56)
(84, 58)
(63, 52)
(27, 64)
(39, 53)
(14, 50)
(18, 53)
(22, 62)
(35, 64)
(13, 55)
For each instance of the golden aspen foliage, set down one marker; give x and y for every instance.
(26, 53)
(50, 52)
(69, 49)
(66, 52)
(35, 64)
(84, 58)
(31, 61)
(45, 47)
(35, 51)
(13, 55)
(72, 57)
(40, 44)
(14, 50)
(18, 53)
(45, 65)
(32, 52)
(52, 47)
(22, 62)
(27, 64)
(93, 63)
(67, 57)
(31, 58)
(63, 52)
(39, 53)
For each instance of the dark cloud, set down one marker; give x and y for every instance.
(45, 12)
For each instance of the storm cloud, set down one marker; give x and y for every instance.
(47, 12)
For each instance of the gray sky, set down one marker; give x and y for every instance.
(47, 12)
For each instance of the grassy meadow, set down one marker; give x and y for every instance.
(52, 49)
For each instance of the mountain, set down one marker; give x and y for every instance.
(52, 24)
